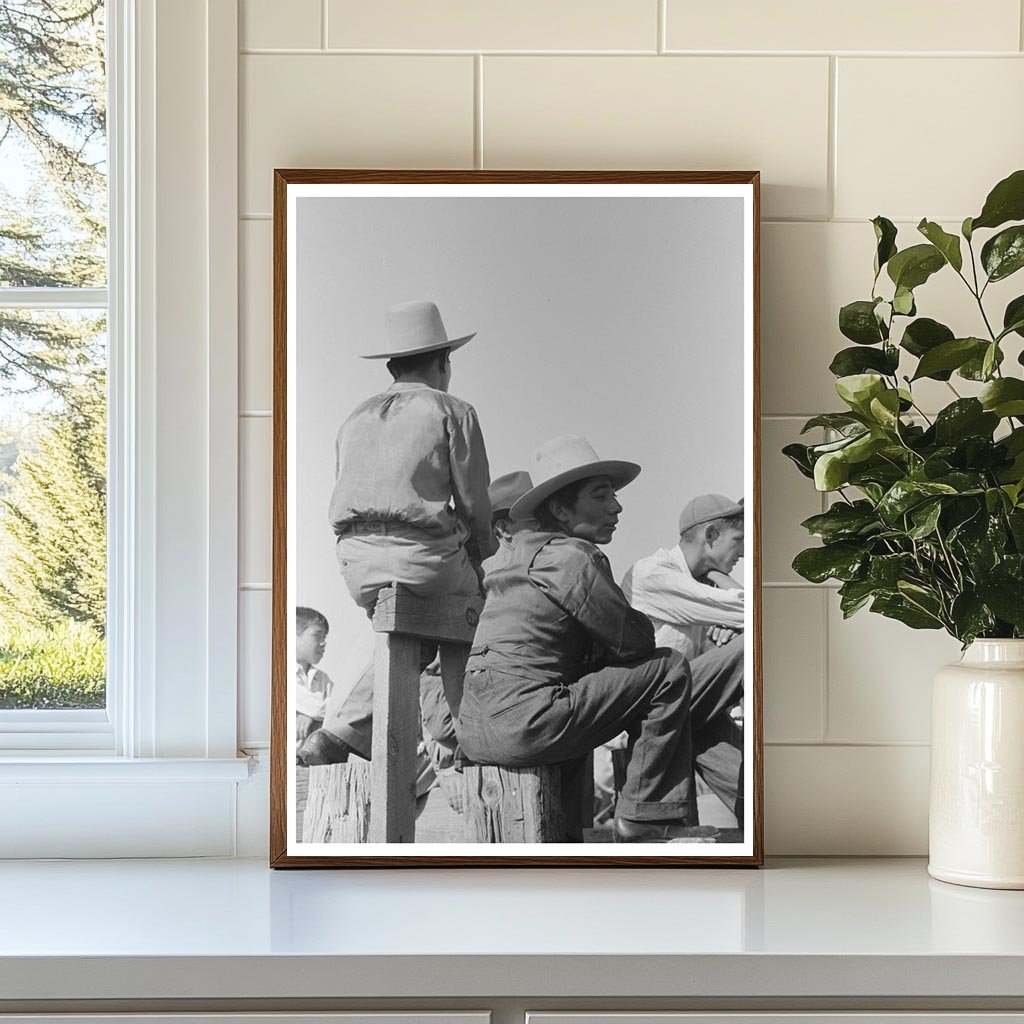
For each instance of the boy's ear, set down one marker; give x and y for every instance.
(712, 533)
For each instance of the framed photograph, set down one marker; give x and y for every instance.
(516, 589)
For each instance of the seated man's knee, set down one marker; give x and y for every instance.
(675, 669)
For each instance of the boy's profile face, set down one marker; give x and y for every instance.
(309, 644)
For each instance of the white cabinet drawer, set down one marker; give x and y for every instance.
(790, 1017)
(360, 1017)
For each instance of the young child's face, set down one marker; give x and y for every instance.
(310, 644)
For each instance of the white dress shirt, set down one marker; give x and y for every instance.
(680, 608)
(311, 691)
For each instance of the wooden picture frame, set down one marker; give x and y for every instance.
(602, 286)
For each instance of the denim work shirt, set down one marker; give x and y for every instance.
(413, 455)
(554, 613)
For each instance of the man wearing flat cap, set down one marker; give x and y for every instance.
(410, 503)
(561, 663)
(697, 609)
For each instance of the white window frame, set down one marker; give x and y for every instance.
(168, 740)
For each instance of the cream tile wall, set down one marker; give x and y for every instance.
(908, 110)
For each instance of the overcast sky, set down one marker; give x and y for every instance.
(618, 319)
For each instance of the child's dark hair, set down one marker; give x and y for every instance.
(419, 363)
(567, 496)
(306, 617)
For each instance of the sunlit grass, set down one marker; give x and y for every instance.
(61, 667)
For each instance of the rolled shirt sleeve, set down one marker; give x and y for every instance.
(470, 475)
(577, 577)
(667, 594)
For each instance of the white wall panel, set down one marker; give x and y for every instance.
(870, 25)
(506, 25)
(794, 663)
(337, 111)
(880, 675)
(961, 130)
(255, 500)
(846, 800)
(256, 304)
(261, 25)
(690, 113)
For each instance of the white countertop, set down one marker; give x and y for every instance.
(235, 929)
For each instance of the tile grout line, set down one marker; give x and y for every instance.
(825, 651)
(323, 24)
(768, 55)
(1020, 25)
(833, 134)
(478, 111)
(662, 41)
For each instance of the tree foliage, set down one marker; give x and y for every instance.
(53, 235)
(52, 127)
(53, 521)
(928, 522)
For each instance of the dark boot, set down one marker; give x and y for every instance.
(322, 747)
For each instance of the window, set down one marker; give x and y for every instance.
(53, 368)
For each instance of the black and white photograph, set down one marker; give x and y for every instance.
(516, 559)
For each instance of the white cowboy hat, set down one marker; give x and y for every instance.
(415, 327)
(563, 461)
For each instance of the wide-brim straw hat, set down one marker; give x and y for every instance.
(413, 328)
(564, 461)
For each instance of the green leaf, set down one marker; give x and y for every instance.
(832, 420)
(903, 302)
(885, 409)
(947, 244)
(897, 607)
(949, 356)
(965, 229)
(854, 595)
(799, 455)
(925, 518)
(858, 389)
(843, 521)
(970, 616)
(840, 561)
(857, 321)
(974, 368)
(1013, 317)
(1006, 599)
(912, 267)
(907, 494)
(990, 361)
(885, 236)
(885, 571)
(1005, 202)
(925, 334)
(849, 361)
(1003, 255)
(1004, 397)
(831, 471)
(966, 417)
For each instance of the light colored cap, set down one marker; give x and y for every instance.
(507, 490)
(707, 507)
(563, 461)
(413, 328)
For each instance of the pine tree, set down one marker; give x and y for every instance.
(53, 520)
(53, 123)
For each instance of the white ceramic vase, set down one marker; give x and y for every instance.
(976, 816)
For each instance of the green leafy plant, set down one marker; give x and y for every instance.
(927, 525)
(60, 667)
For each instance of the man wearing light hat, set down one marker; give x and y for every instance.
(697, 609)
(410, 503)
(561, 663)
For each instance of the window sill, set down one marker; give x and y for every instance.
(80, 767)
